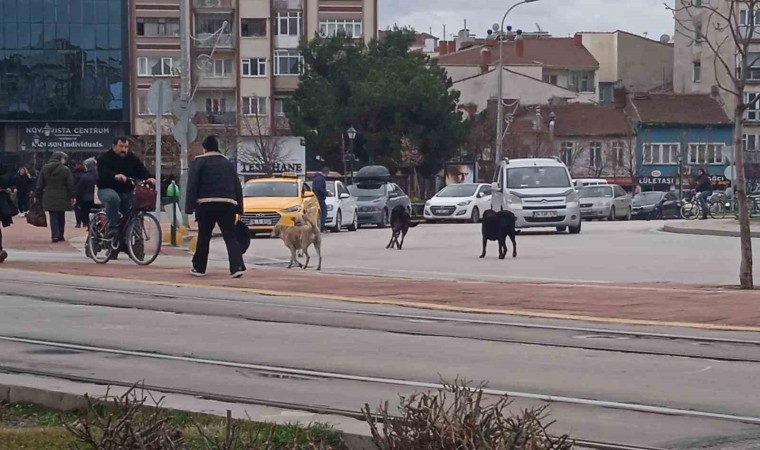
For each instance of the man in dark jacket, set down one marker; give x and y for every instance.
(215, 195)
(56, 188)
(6, 207)
(85, 189)
(320, 190)
(704, 191)
(115, 166)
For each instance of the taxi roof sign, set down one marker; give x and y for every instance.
(289, 175)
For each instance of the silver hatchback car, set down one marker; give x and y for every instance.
(609, 202)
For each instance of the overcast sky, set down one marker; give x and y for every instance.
(558, 17)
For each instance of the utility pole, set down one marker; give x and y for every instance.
(184, 37)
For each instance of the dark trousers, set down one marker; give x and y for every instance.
(57, 224)
(323, 213)
(208, 216)
(1, 237)
(23, 202)
(82, 212)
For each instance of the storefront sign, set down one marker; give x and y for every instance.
(656, 180)
(67, 137)
(282, 154)
(656, 174)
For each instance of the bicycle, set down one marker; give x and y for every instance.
(137, 230)
(716, 207)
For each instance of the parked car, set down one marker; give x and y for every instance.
(376, 196)
(656, 205)
(609, 202)
(539, 192)
(583, 182)
(341, 207)
(459, 202)
(269, 201)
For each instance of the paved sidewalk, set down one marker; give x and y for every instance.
(710, 227)
(660, 304)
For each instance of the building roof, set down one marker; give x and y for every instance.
(677, 109)
(548, 52)
(577, 120)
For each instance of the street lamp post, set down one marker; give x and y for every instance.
(500, 81)
(680, 176)
(351, 132)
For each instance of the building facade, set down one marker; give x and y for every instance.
(245, 59)
(63, 78)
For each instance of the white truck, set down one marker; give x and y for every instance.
(539, 191)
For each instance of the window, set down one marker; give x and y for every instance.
(288, 23)
(212, 23)
(348, 28)
(144, 110)
(216, 105)
(618, 153)
(287, 62)
(566, 152)
(221, 68)
(696, 72)
(253, 27)
(595, 154)
(706, 153)
(255, 106)
(698, 36)
(753, 66)
(155, 66)
(158, 26)
(254, 67)
(582, 82)
(661, 153)
(279, 107)
(752, 100)
(751, 142)
(748, 20)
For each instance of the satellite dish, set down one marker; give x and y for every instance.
(664, 39)
(496, 27)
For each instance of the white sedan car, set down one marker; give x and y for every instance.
(459, 202)
(341, 207)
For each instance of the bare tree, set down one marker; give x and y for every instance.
(269, 150)
(726, 28)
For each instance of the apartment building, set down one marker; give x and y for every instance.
(244, 56)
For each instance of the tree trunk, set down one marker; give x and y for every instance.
(745, 270)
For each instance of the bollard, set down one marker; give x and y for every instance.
(172, 192)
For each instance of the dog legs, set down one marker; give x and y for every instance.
(318, 248)
(293, 259)
(308, 258)
(502, 247)
(514, 245)
(485, 243)
(394, 240)
(401, 244)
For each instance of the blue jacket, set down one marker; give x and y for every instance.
(320, 186)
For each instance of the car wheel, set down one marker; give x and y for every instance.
(384, 220)
(338, 221)
(612, 216)
(576, 230)
(355, 224)
(561, 229)
(628, 215)
(475, 216)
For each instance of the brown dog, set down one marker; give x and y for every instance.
(299, 238)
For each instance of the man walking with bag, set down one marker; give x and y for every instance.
(56, 188)
(215, 195)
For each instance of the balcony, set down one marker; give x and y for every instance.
(215, 119)
(214, 30)
(208, 40)
(212, 4)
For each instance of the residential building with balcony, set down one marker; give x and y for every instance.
(245, 59)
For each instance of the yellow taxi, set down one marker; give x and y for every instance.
(269, 201)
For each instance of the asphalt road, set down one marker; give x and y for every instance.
(341, 355)
(635, 251)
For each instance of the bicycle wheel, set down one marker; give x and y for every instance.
(143, 238)
(690, 211)
(99, 248)
(717, 210)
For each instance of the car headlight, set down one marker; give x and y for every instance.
(512, 199)
(464, 203)
(572, 197)
(292, 209)
(427, 203)
(329, 207)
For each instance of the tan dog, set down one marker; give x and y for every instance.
(300, 238)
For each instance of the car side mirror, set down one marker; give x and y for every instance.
(308, 194)
(344, 196)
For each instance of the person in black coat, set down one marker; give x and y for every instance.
(85, 190)
(704, 191)
(77, 173)
(6, 205)
(23, 184)
(215, 195)
(320, 191)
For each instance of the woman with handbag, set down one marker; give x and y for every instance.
(56, 188)
(23, 185)
(7, 208)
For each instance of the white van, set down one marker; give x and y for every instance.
(539, 192)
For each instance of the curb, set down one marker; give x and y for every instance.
(61, 401)
(705, 231)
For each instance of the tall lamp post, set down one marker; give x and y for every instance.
(500, 82)
(351, 132)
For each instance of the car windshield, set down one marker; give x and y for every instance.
(647, 198)
(271, 189)
(458, 190)
(537, 177)
(370, 190)
(595, 192)
(330, 187)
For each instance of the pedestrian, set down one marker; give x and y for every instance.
(704, 191)
(7, 209)
(637, 189)
(320, 190)
(23, 185)
(55, 187)
(85, 189)
(77, 173)
(215, 195)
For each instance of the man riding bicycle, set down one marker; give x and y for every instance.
(704, 191)
(115, 167)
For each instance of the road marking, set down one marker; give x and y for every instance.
(412, 304)
(649, 409)
(700, 370)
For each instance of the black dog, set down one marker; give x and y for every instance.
(401, 221)
(496, 227)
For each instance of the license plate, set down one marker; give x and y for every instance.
(258, 222)
(545, 214)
